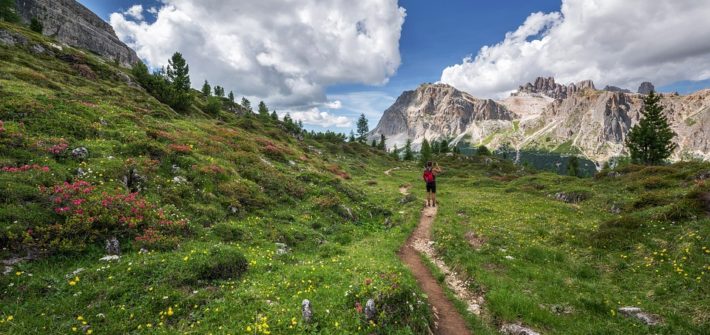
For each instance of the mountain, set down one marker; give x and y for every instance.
(544, 115)
(70, 22)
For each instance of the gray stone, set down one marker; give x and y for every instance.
(6, 38)
(134, 181)
(70, 22)
(615, 209)
(37, 49)
(513, 329)
(638, 314)
(179, 180)
(646, 88)
(616, 89)
(570, 197)
(80, 172)
(110, 258)
(370, 310)
(80, 153)
(143, 251)
(281, 248)
(113, 247)
(306, 311)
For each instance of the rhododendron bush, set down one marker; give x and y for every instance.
(86, 215)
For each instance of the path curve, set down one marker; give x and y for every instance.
(447, 320)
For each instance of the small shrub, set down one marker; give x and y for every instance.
(396, 302)
(654, 183)
(228, 231)
(214, 105)
(650, 200)
(220, 263)
(36, 26)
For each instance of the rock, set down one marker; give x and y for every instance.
(175, 169)
(703, 175)
(80, 172)
(143, 251)
(615, 89)
(6, 38)
(233, 209)
(292, 163)
(646, 88)
(370, 310)
(37, 49)
(113, 247)
(571, 197)
(306, 311)
(407, 199)
(80, 153)
(346, 213)
(281, 248)
(509, 257)
(640, 315)
(110, 258)
(7, 270)
(103, 122)
(513, 329)
(70, 22)
(133, 181)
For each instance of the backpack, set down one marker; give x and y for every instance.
(428, 176)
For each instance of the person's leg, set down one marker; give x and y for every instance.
(428, 198)
(433, 199)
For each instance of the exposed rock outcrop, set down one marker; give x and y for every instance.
(70, 22)
(550, 88)
(615, 89)
(436, 111)
(646, 88)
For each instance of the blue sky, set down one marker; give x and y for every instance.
(435, 35)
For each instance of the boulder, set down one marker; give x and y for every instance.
(638, 314)
(113, 247)
(80, 153)
(370, 310)
(306, 311)
(513, 329)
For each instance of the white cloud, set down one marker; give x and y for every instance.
(612, 42)
(316, 117)
(337, 104)
(283, 52)
(135, 12)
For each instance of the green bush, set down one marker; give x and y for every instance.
(617, 233)
(219, 263)
(228, 231)
(396, 303)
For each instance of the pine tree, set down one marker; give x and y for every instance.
(263, 110)
(373, 144)
(300, 124)
(219, 91)
(425, 153)
(408, 154)
(274, 116)
(444, 146)
(483, 151)
(362, 128)
(352, 137)
(178, 73)
(573, 166)
(36, 26)
(206, 89)
(382, 146)
(246, 104)
(650, 142)
(8, 11)
(394, 153)
(231, 96)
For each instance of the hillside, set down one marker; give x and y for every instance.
(232, 215)
(547, 116)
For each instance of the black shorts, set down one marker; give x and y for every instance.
(431, 187)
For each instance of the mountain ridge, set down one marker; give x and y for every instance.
(545, 115)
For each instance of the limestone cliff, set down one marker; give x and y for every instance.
(70, 22)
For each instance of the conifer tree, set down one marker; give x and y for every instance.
(352, 137)
(246, 104)
(382, 145)
(178, 73)
(36, 26)
(573, 166)
(408, 154)
(650, 142)
(362, 128)
(263, 110)
(395, 153)
(274, 116)
(231, 96)
(206, 89)
(425, 152)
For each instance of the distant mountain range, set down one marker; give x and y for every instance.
(544, 115)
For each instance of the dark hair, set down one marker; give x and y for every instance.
(429, 164)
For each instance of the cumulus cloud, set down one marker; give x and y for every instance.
(316, 117)
(135, 12)
(337, 104)
(283, 52)
(620, 43)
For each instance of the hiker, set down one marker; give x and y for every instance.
(430, 172)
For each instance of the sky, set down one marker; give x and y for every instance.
(327, 61)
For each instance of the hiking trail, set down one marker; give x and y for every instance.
(447, 320)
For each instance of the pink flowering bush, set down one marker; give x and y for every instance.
(24, 168)
(59, 148)
(87, 216)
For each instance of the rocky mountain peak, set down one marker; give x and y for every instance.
(548, 86)
(646, 88)
(70, 22)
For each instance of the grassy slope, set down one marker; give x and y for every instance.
(296, 194)
(563, 259)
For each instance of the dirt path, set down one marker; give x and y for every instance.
(390, 171)
(447, 320)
